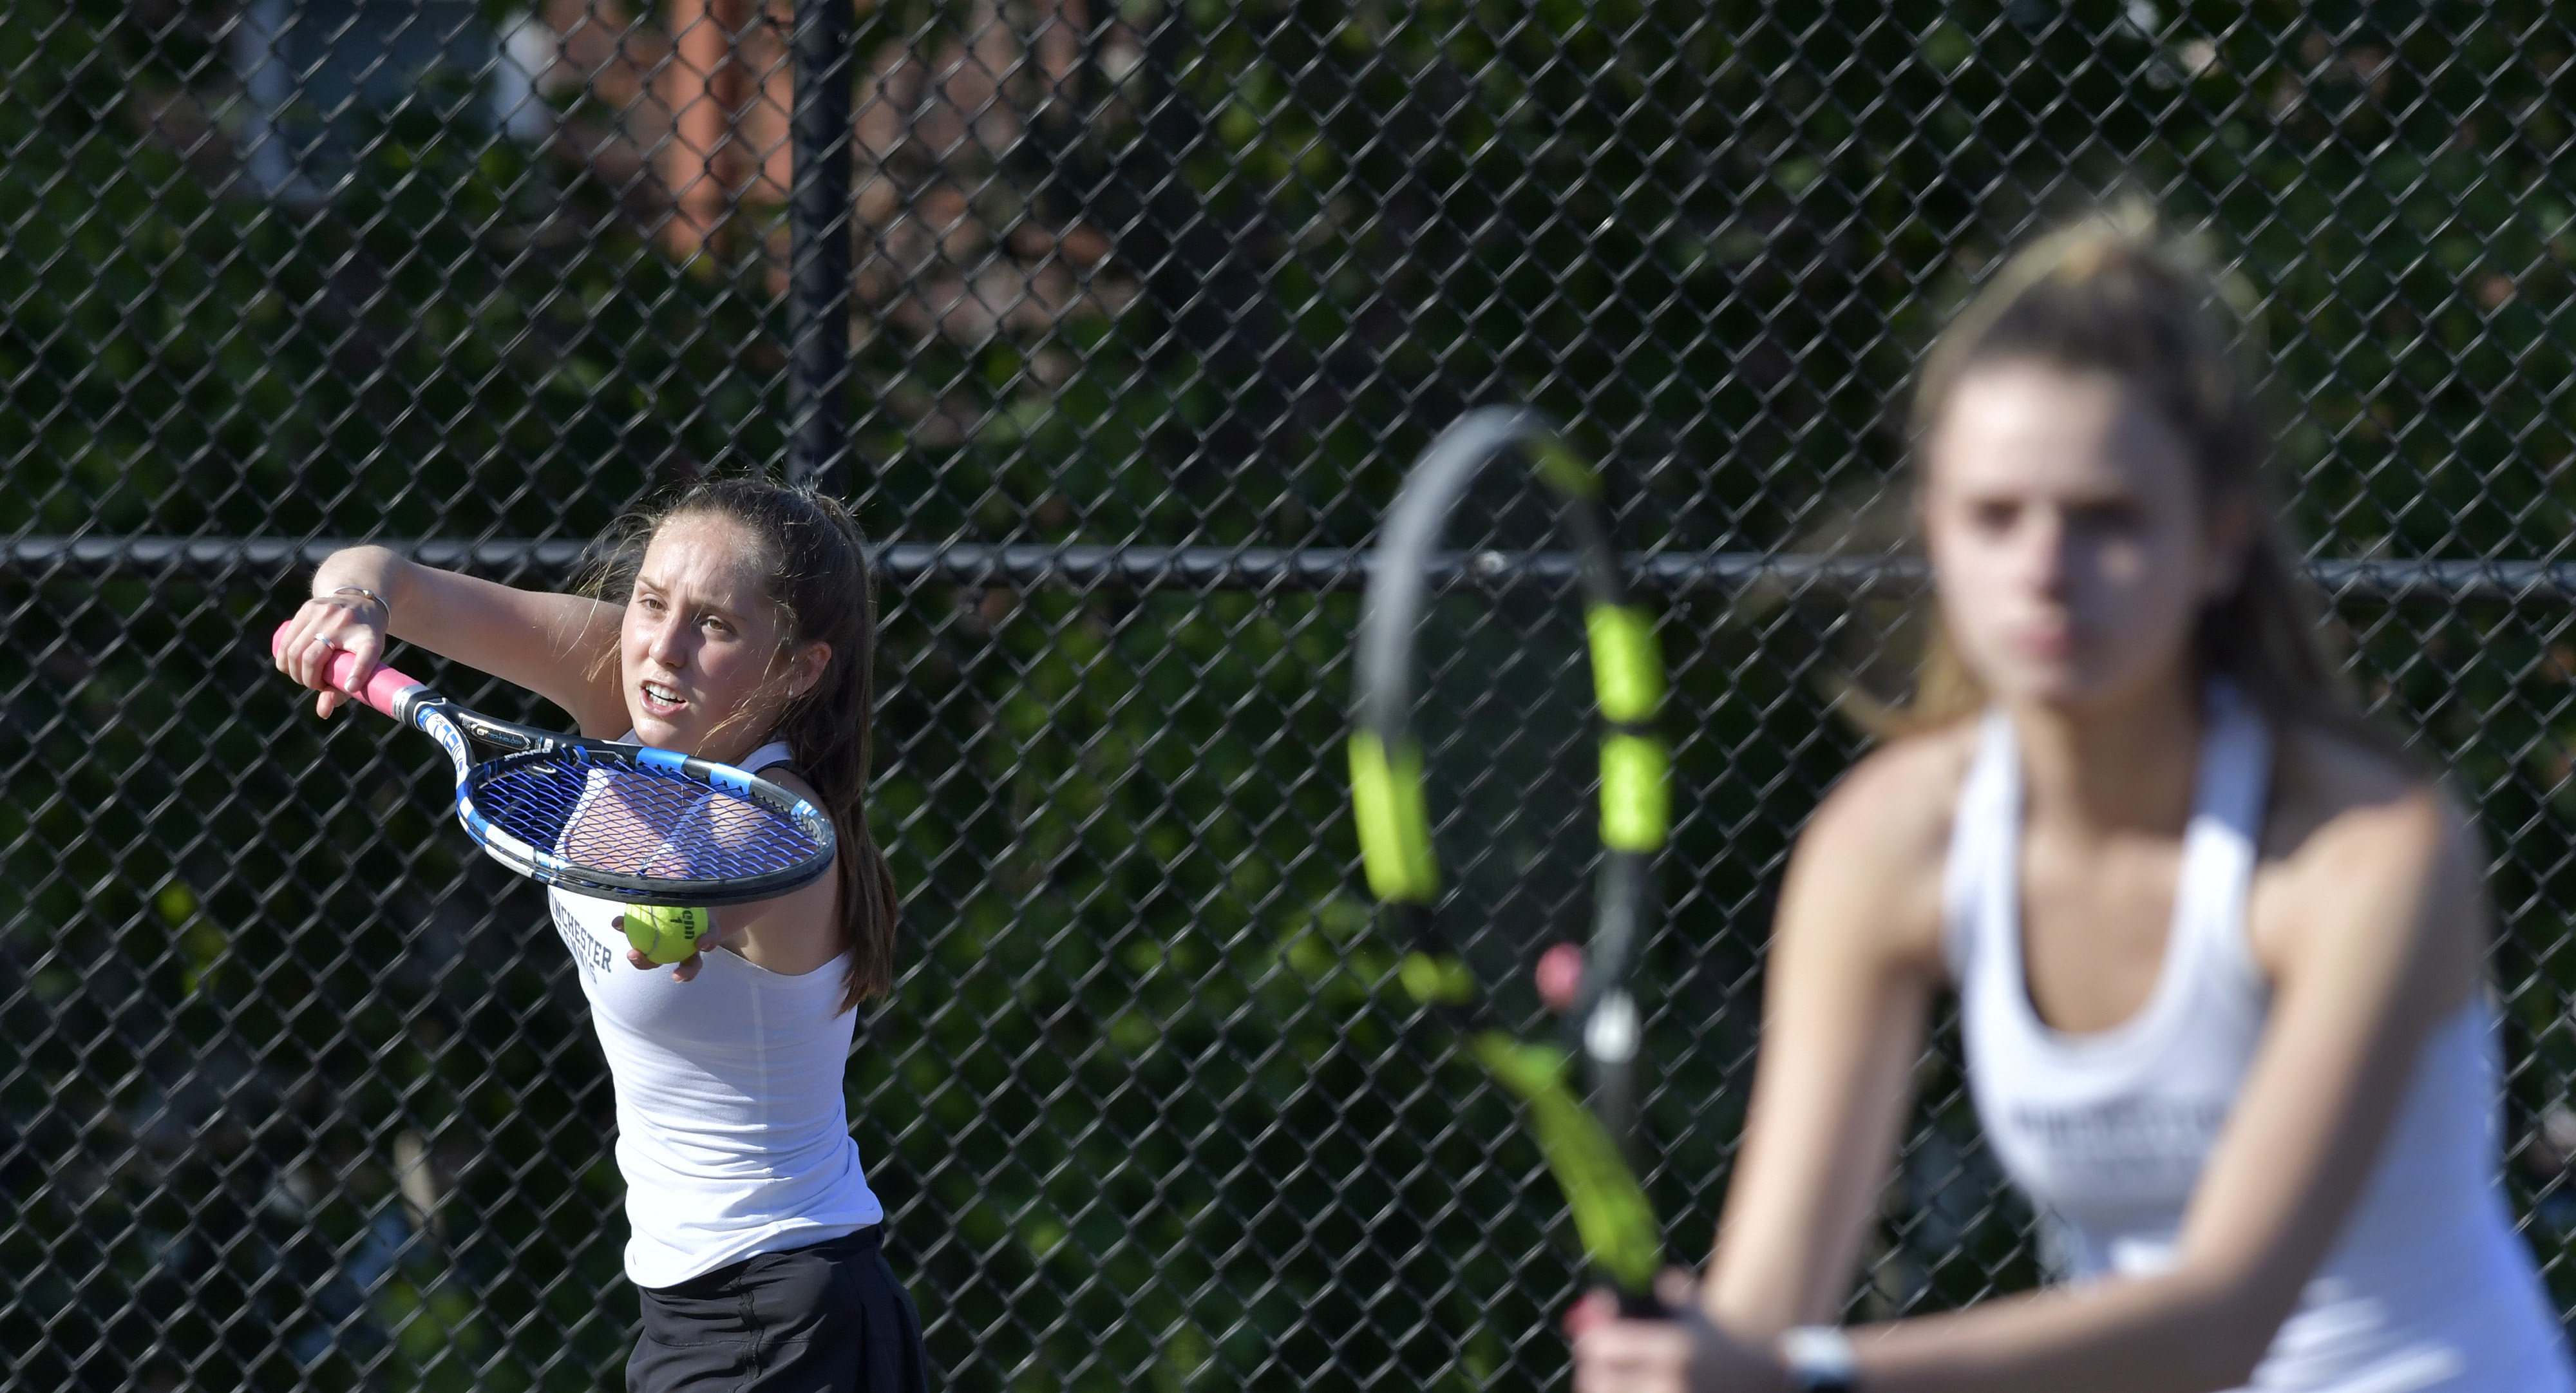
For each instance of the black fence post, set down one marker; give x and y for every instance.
(818, 296)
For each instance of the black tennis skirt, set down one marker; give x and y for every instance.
(829, 1318)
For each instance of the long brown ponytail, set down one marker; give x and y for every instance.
(815, 572)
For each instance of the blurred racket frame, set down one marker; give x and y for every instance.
(1591, 1153)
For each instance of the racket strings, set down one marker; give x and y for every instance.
(1502, 715)
(633, 820)
(1508, 681)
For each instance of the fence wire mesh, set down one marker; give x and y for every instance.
(1150, 304)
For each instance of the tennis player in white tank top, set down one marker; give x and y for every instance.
(2218, 945)
(732, 1131)
(741, 631)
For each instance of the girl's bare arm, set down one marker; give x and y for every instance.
(562, 647)
(1854, 961)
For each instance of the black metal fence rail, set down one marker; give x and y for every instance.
(2541, 584)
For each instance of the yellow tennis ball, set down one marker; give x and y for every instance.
(665, 935)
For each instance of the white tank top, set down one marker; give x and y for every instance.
(732, 1130)
(2428, 1287)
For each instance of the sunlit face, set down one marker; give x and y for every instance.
(699, 653)
(2068, 537)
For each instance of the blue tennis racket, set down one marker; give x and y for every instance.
(618, 822)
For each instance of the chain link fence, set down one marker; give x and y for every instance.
(1148, 303)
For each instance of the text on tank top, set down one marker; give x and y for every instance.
(732, 1126)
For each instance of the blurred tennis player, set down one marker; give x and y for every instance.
(2218, 946)
(738, 627)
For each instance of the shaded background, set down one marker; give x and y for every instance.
(295, 1091)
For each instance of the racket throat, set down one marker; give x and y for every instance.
(1610, 1035)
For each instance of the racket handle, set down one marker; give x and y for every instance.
(383, 690)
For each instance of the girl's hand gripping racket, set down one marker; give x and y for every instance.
(617, 822)
(1497, 733)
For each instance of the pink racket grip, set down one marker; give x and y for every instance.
(383, 689)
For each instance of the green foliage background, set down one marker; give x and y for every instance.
(1147, 1104)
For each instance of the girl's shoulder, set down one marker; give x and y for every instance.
(1902, 795)
(2339, 796)
(789, 776)
(1875, 852)
(2356, 830)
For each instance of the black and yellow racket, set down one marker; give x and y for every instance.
(1485, 694)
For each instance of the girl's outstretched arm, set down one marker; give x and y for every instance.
(562, 647)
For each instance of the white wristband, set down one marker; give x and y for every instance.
(1820, 1359)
